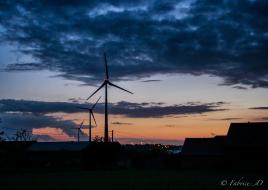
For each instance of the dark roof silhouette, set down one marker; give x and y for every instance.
(203, 146)
(58, 146)
(248, 134)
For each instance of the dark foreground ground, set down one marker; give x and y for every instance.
(130, 180)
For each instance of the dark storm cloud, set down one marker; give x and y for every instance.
(38, 107)
(19, 120)
(140, 111)
(260, 108)
(223, 38)
(129, 109)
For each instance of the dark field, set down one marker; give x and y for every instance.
(125, 180)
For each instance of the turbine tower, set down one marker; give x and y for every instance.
(105, 84)
(90, 115)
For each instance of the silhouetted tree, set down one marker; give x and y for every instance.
(23, 135)
(98, 139)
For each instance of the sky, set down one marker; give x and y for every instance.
(194, 67)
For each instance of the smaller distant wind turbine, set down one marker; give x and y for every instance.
(79, 131)
(91, 115)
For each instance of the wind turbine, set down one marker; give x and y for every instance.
(79, 131)
(105, 84)
(91, 114)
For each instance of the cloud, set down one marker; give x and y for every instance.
(170, 125)
(29, 121)
(264, 118)
(259, 108)
(220, 38)
(77, 100)
(240, 87)
(46, 138)
(128, 109)
(121, 123)
(38, 107)
(227, 119)
(151, 81)
(140, 111)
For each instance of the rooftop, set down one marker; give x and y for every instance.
(203, 146)
(248, 134)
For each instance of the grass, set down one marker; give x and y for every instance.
(121, 180)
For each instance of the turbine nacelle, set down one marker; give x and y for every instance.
(107, 82)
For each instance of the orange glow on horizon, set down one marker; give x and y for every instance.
(175, 128)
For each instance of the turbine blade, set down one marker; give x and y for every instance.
(95, 103)
(106, 66)
(94, 118)
(119, 87)
(81, 125)
(97, 90)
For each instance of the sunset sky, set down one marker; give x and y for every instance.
(194, 67)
